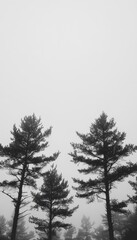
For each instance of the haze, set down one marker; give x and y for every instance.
(67, 61)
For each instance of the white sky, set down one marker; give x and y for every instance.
(67, 61)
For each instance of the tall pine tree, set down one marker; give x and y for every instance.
(24, 161)
(102, 151)
(53, 198)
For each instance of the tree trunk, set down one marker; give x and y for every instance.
(50, 228)
(17, 206)
(50, 222)
(109, 216)
(107, 192)
(50, 234)
(108, 206)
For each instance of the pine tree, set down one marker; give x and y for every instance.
(85, 230)
(24, 161)
(102, 151)
(54, 200)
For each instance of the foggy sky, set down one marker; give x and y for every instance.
(67, 61)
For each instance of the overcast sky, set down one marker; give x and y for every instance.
(67, 61)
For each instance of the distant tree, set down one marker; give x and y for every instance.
(57, 235)
(100, 233)
(80, 234)
(70, 232)
(84, 231)
(24, 162)
(119, 223)
(4, 237)
(54, 200)
(22, 232)
(133, 199)
(131, 227)
(3, 226)
(102, 151)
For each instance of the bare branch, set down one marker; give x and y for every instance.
(14, 199)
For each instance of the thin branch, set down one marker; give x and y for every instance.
(9, 195)
(18, 178)
(110, 165)
(23, 212)
(101, 197)
(24, 216)
(25, 197)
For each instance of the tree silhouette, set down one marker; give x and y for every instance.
(24, 161)
(54, 200)
(69, 233)
(102, 151)
(100, 233)
(3, 226)
(84, 231)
